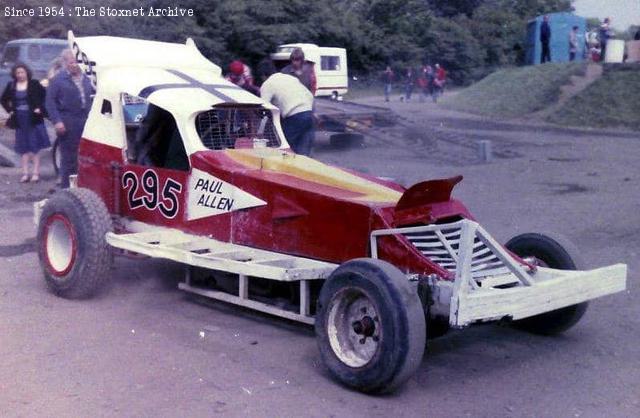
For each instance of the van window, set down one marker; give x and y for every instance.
(330, 63)
(11, 54)
(286, 49)
(51, 52)
(33, 52)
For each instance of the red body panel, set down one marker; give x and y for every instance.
(301, 217)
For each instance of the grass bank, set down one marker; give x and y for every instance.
(515, 92)
(611, 101)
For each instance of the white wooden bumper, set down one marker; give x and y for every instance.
(549, 290)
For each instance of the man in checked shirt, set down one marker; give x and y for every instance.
(69, 98)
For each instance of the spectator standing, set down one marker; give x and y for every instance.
(23, 98)
(604, 34)
(240, 75)
(573, 43)
(295, 102)
(387, 79)
(69, 99)
(409, 81)
(636, 37)
(440, 79)
(545, 39)
(431, 78)
(423, 83)
(302, 70)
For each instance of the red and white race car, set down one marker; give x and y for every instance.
(203, 175)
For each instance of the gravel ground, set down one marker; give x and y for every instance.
(143, 348)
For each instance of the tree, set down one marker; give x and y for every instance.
(466, 36)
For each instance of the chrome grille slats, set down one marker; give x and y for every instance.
(483, 261)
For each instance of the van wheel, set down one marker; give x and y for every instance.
(370, 326)
(554, 252)
(72, 249)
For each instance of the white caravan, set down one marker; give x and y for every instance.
(330, 65)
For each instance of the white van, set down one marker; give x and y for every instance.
(330, 66)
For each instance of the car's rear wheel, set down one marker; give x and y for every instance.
(554, 252)
(370, 326)
(74, 255)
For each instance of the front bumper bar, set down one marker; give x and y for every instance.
(490, 284)
(549, 290)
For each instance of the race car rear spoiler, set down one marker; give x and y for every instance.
(412, 206)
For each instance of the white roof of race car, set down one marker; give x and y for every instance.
(176, 77)
(181, 92)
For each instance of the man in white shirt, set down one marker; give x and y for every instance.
(295, 102)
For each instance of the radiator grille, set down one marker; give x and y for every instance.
(441, 247)
(220, 127)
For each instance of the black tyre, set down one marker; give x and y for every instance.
(55, 156)
(437, 326)
(74, 255)
(346, 140)
(554, 252)
(370, 326)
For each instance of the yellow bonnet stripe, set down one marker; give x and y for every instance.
(308, 169)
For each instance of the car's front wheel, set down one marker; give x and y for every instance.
(554, 252)
(73, 252)
(370, 326)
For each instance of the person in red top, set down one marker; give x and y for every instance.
(240, 75)
(439, 82)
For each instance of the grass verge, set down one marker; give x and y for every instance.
(515, 92)
(611, 101)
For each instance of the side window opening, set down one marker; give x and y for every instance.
(153, 138)
(236, 126)
(106, 108)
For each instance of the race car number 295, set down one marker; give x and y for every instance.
(151, 196)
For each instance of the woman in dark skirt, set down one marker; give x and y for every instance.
(24, 98)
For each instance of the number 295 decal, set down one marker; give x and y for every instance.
(151, 196)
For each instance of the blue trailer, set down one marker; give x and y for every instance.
(561, 24)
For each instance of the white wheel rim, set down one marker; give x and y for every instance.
(353, 325)
(60, 245)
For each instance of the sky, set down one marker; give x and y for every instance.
(623, 13)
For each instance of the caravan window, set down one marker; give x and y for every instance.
(329, 63)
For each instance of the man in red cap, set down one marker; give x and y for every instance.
(240, 75)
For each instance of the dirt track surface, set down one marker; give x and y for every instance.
(143, 348)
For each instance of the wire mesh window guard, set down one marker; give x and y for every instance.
(222, 126)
